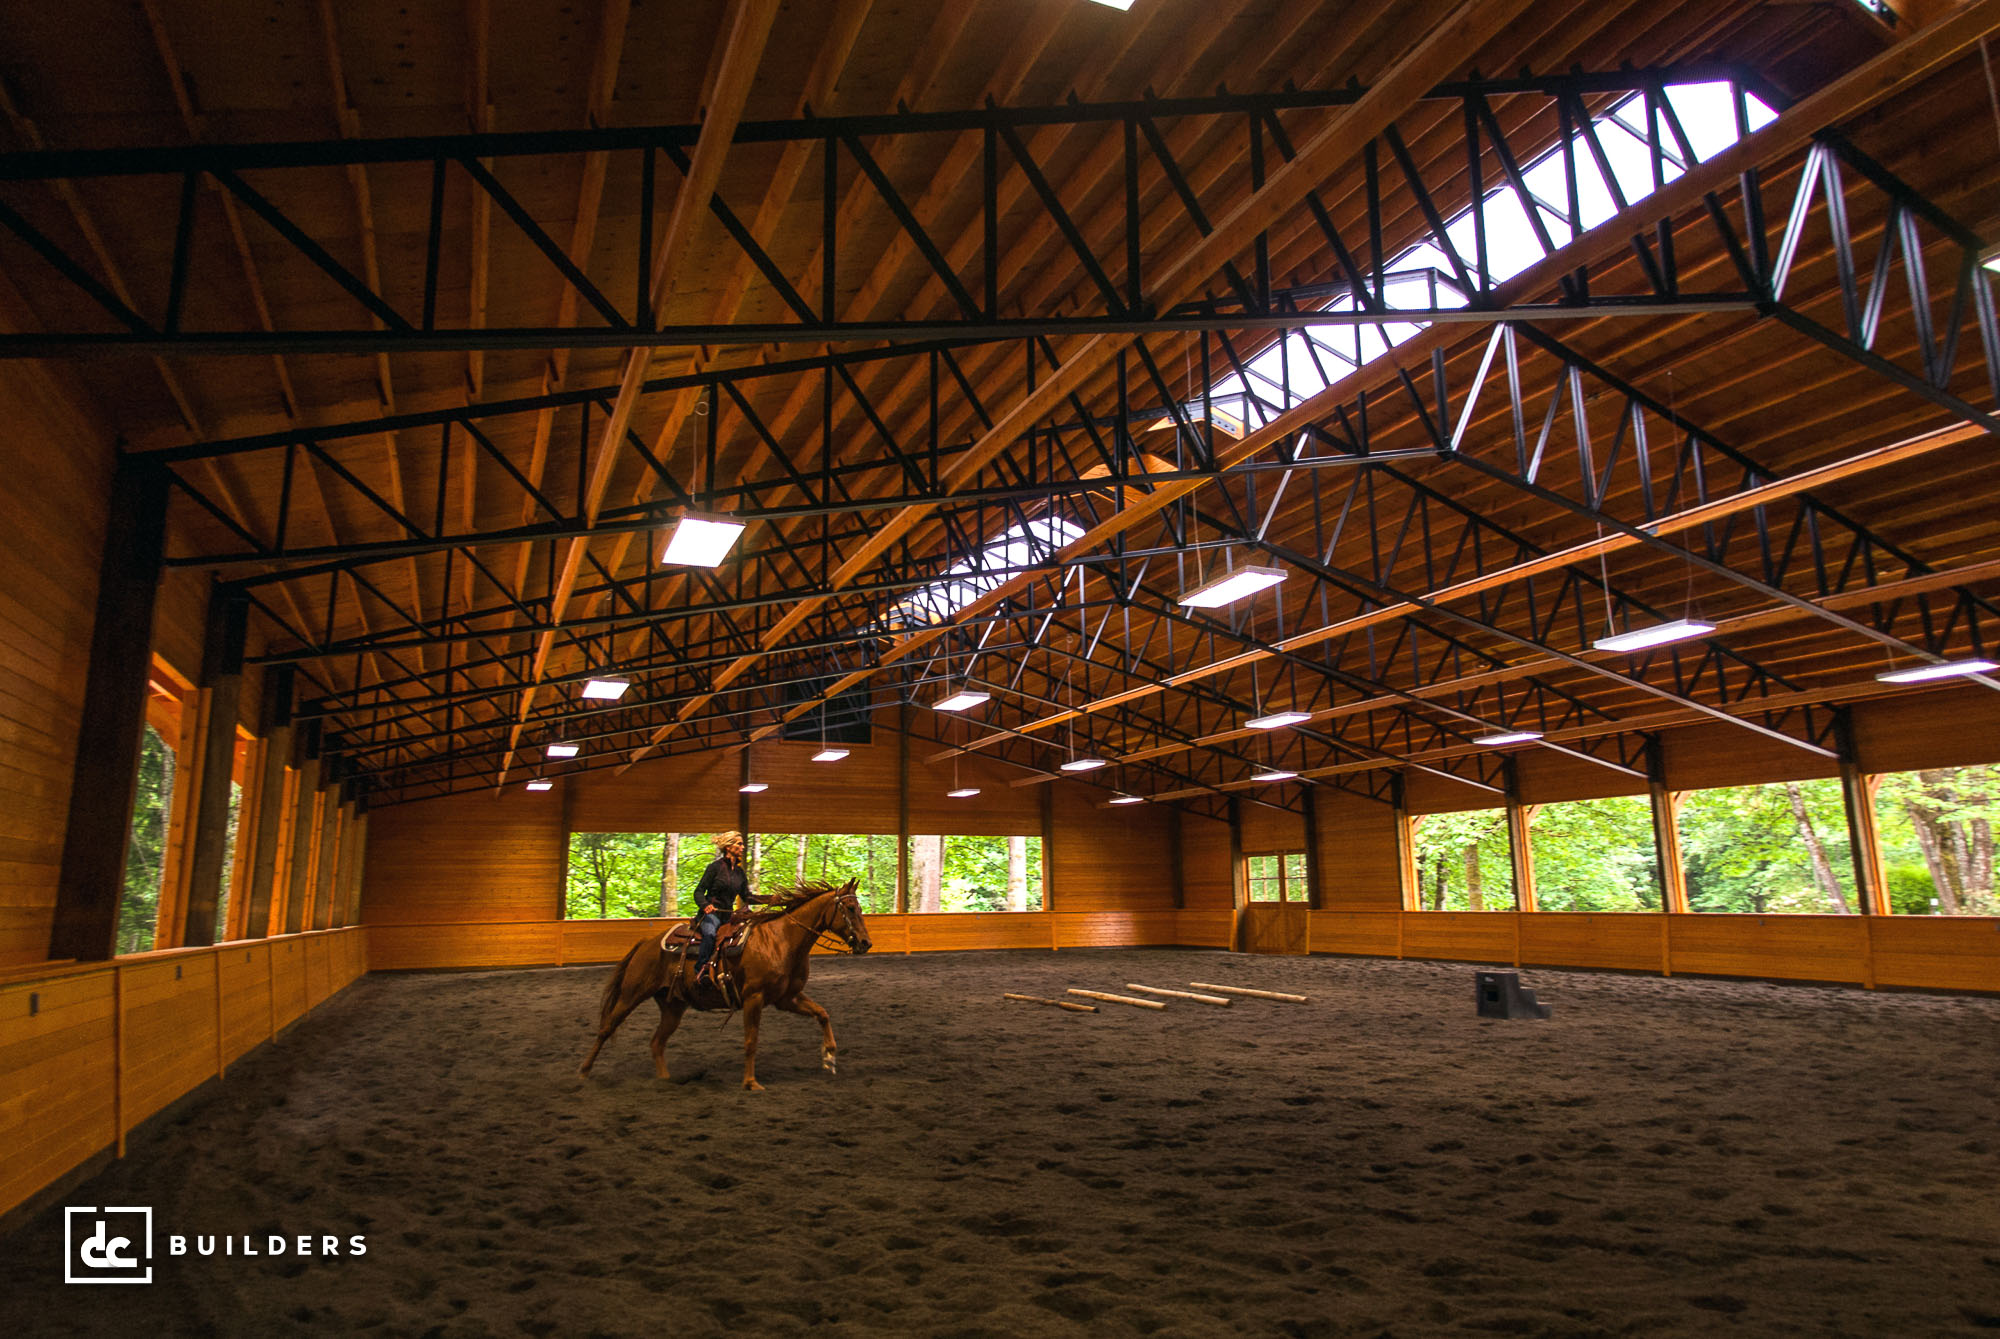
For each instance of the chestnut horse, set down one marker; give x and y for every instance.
(772, 970)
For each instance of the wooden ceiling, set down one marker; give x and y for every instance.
(430, 397)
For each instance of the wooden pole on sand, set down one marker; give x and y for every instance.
(1116, 999)
(1245, 990)
(1060, 1004)
(1177, 994)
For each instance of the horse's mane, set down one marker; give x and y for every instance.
(792, 899)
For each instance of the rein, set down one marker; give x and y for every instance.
(821, 936)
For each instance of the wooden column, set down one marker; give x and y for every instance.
(742, 800)
(222, 681)
(105, 777)
(298, 889)
(1315, 876)
(1520, 845)
(1857, 794)
(1666, 832)
(329, 857)
(1048, 846)
(1406, 848)
(358, 867)
(1239, 891)
(275, 726)
(902, 818)
(1179, 856)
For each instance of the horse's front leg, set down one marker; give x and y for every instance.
(803, 1004)
(753, 1009)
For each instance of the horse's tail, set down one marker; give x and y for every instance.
(610, 997)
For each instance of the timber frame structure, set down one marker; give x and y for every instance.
(995, 368)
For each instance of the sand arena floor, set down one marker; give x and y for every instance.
(1678, 1157)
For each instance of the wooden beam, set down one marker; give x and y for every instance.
(305, 832)
(106, 771)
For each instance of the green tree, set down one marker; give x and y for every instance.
(1464, 861)
(146, 853)
(1770, 848)
(1595, 855)
(1937, 839)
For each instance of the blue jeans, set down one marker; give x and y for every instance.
(705, 927)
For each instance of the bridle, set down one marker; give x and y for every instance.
(839, 942)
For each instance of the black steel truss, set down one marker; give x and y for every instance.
(1507, 123)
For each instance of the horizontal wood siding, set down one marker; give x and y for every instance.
(88, 1052)
(1936, 952)
(1944, 727)
(694, 792)
(468, 858)
(1205, 872)
(1357, 839)
(1563, 939)
(53, 495)
(1109, 859)
(1806, 948)
(1206, 927)
(1366, 933)
(1459, 936)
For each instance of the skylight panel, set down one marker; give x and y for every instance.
(966, 581)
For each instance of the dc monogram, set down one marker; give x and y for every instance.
(108, 1245)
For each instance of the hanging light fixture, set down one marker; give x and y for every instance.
(829, 755)
(958, 791)
(1278, 720)
(1274, 774)
(1128, 799)
(1945, 669)
(539, 784)
(562, 750)
(753, 788)
(1238, 584)
(606, 690)
(1660, 634)
(1500, 737)
(701, 541)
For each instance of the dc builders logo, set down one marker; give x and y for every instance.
(114, 1244)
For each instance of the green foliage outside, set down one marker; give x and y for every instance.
(229, 835)
(952, 873)
(1937, 840)
(1596, 855)
(1277, 877)
(1464, 861)
(615, 875)
(146, 853)
(1774, 848)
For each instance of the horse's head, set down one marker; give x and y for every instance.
(847, 921)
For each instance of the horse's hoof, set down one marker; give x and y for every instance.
(826, 1062)
(751, 1085)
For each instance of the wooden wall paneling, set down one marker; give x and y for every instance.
(288, 982)
(1427, 793)
(1264, 828)
(1936, 952)
(169, 1030)
(1206, 877)
(104, 774)
(1806, 948)
(1204, 927)
(470, 859)
(1699, 757)
(1365, 933)
(692, 792)
(245, 979)
(1924, 728)
(608, 941)
(1098, 859)
(979, 929)
(856, 794)
(1460, 936)
(222, 680)
(1547, 777)
(1628, 941)
(351, 892)
(1358, 851)
(58, 1051)
(999, 810)
(54, 496)
(397, 947)
(1115, 929)
(1270, 927)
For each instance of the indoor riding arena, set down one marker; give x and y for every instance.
(1002, 668)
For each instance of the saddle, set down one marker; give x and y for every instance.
(728, 938)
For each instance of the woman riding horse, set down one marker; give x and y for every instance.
(722, 884)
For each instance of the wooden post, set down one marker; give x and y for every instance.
(1857, 794)
(1406, 856)
(1666, 833)
(357, 871)
(275, 726)
(742, 800)
(1239, 891)
(329, 857)
(222, 680)
(1177, 856)
(903, 826)
(105, 777)
(1315, 868)
(1520, 841)
(1048, 847)
(304, 830)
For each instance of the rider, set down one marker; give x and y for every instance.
(722, 885)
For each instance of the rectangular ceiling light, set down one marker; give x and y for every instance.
(1230, 587)
(1274, 774)
(753, 788)
(829, 755)
(1128, 799)
(1508, 737)
(1116, 4)
(563, 750)
(963, 700)
(701, 541)
(541, 785)
(1278, 720)
(1950, 669)
(1083, 764)
(606, 690)
(1660, 634)
(963, 793)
